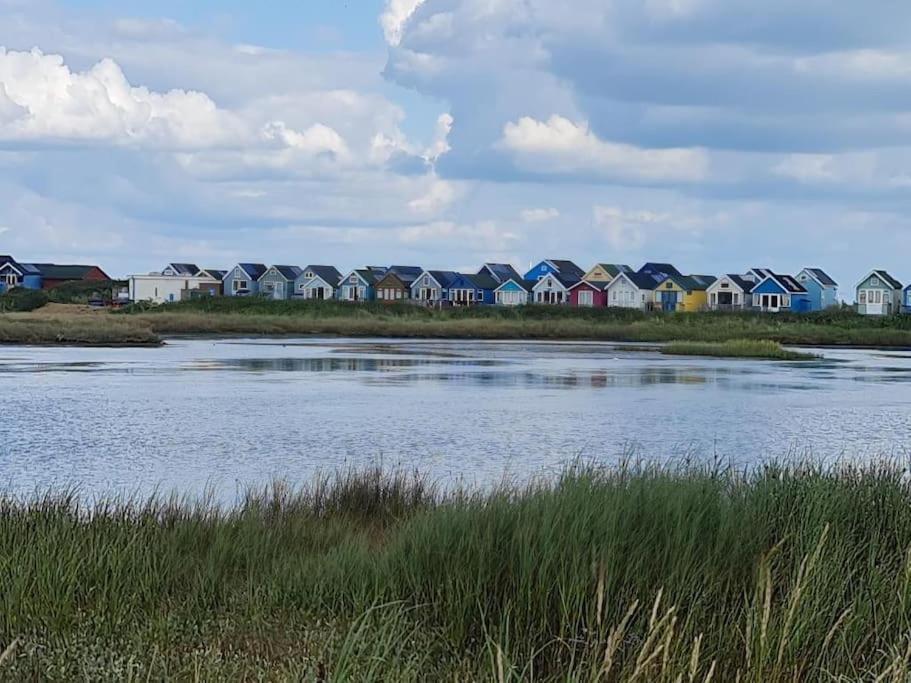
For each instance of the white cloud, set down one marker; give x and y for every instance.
(559, 145)
(538, 215)
(626, 230)
(51, 101)
(440, 195)
(395, 16)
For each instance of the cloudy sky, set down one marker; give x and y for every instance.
(445, 133)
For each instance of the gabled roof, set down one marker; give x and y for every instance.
(613, 269)
(884, 276)
(566, 280)
(407, 274)
(369, 275)
(787, 283)
(328, 274)
(189, 269)
(215, 273)
(254, 271)
(638, 280)
(662, 268)
(406, 271)
(6, 260)
(746, 286)
(566, 267)
(821, 277)
(594, 284)
(501, 272)
(527, 285)
(443, 278)
(54, 271)
(701, 282)
(287, 272)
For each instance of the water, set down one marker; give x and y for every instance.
(226, 414)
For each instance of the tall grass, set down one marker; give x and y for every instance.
(95, 330)
(737, 348)
(629, 573)
(229, 315)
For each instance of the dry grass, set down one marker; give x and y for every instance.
(76, 330)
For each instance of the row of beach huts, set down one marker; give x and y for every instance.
(654, 286)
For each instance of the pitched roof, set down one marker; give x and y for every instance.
(662, 268)
(614, 269)
(566, 267)
(743, 283)
(444, 278)
(183, 268)
(891, 281)
(408, 271)
(370, 275)
(215, 273)
(329, 274)
(288, 272)
(405, 274)
(483, 281)
(788, 283)
(701, 282)
(527, 285)
(6, 259)
(822, 277)
(566, 280)
(595, 284)
(54, 271)
(253, 270)
(640, 280)
(501, 272)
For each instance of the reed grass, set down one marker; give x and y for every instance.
(252, 316)
(97, 330)
(633, 572)
(737, 348)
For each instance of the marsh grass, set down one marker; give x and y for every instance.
(635, 572)
(97, 330)
(737, 348)
(228, 315)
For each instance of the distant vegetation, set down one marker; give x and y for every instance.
(94, 330)
(632, 573)
(23, 300)
(253, 315)
(737, 348)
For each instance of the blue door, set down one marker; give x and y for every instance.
(669, 301)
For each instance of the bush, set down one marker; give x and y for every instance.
(20, 300)
(84, 292)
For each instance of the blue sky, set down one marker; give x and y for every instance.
(449, 132)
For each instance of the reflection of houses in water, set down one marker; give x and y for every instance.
(354, 364)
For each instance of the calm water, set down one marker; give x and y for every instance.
(229, 413)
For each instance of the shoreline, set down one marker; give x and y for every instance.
(63, 325)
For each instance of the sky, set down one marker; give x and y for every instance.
(448, 133)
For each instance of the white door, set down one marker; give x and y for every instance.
(279, 291)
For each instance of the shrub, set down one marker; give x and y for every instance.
(21, 300)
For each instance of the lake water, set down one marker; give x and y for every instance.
(229, 413)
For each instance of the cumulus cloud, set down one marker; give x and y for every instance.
(626, 230)
(561, 146)
(42, 98)
(394, 17)
(481, 237)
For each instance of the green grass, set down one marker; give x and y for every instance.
(737, 348)
(97, 330)
(630, 573)
(262, 317)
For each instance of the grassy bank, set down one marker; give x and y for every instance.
(255, 316)
(737, 348)
(100, 330)
(633, 573)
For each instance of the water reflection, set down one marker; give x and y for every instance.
(334, 364)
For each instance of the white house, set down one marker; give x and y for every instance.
(553, 288)
(731, 293)
(160, 289)
(631, 290)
